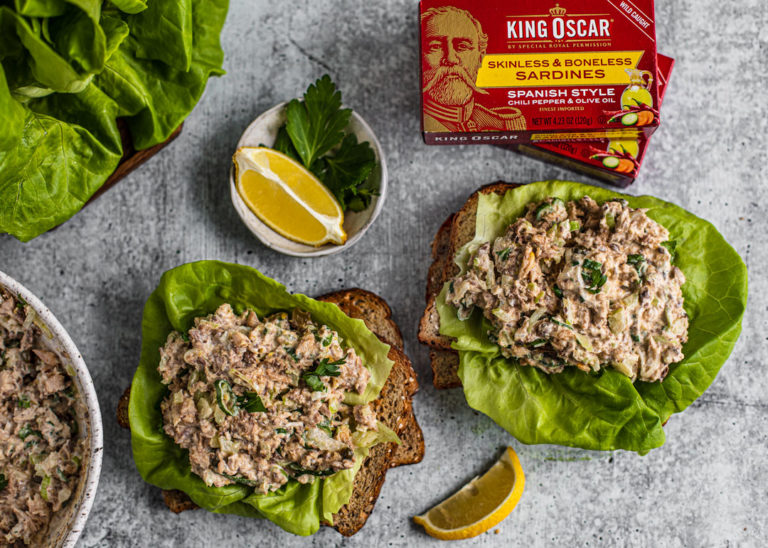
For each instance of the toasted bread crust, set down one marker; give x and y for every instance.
(122, 409)
(440, 246)
(429, 327)
(394, 407)
(178, 501)
(445, 369)
(448, 240)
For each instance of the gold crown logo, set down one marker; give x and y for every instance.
(557, 11)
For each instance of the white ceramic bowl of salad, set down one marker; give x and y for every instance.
(263, 132)
(67, 524)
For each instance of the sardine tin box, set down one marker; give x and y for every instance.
(501, 72)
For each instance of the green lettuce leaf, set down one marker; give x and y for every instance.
(33, 61)
(163, 32)
(130, 6)
(156, 97)
(12, 115)
(71, 70)
(79, 38)
(40, 8)
(58, 164)
(197, 289)
(606, 412)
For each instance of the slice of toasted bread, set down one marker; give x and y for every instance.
(394, 407)
(429, 323)
(444, 360)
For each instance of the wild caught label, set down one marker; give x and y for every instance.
(528, 71)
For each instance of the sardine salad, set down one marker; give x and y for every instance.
(260, 401)
(580, 284)
(41, 451)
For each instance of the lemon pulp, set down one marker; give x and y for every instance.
(287, 197)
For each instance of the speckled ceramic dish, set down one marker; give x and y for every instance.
(67, 524)
(263, 131)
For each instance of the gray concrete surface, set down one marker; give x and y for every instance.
(705, 487)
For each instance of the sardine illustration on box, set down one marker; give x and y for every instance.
(453, 47)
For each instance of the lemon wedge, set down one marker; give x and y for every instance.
(287, 197)
(479, 505)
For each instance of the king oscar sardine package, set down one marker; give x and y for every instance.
(500, 72)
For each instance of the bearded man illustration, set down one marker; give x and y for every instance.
(453, 45)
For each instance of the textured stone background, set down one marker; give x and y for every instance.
(705, 487)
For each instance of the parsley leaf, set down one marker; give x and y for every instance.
(3, 482)
(313, 382)
(324, 369)
(314, 135)
(592, 274)
(329, 369)
(363, 195)
(251, 402)
(504, 254)
(284, 144)
(638, 261)
(26, 431)
(317, 124)
(345, 172)
(671, 246)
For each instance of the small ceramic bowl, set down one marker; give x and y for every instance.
(263, 131)
(68, 523)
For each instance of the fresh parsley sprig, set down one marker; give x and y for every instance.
(314, 135)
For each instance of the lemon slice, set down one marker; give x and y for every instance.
(287, 197)
(480, 504)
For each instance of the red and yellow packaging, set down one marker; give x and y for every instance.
(616, 161)
(502, 72)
